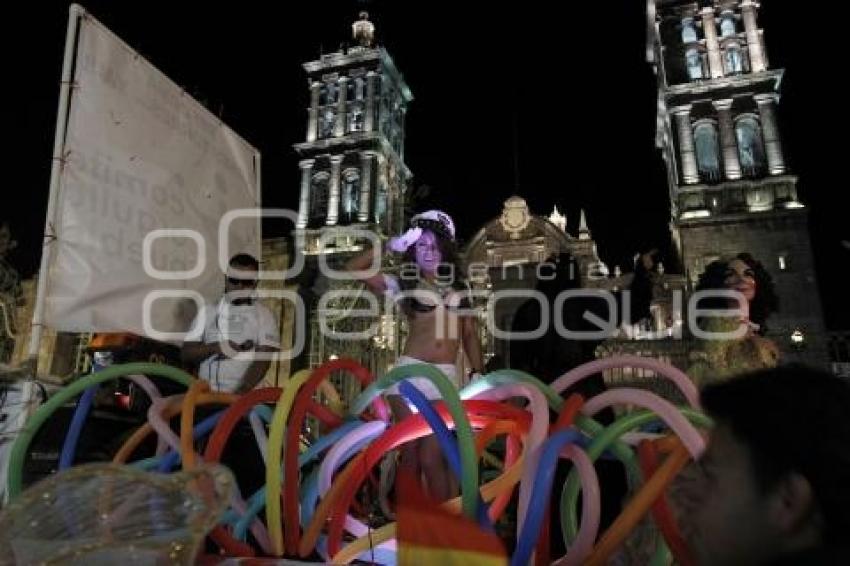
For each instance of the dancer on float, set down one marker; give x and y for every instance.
(437, 306)
(719, 359)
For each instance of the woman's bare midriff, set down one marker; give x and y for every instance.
(425, 343)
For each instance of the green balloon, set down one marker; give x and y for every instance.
(555, 401)
(662, 555)
(602, 440)
(19, 449)
(508, 376)
(586, 424)
(465, 441)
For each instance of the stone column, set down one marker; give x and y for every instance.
(728, 142)
(366, 160)
(306, 166)
(687, 157)
(748, 11)
(770, 133)
(712, 45)
(342, 99)
(333, 197)
(402, 122)
(369, 118)
(381, 188)
(313, 113)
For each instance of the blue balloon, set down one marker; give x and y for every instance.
(309, 499)
(148, 464)
(264, 412)
(448, 443)
(172, 457)
(258, 500)
(326, 441)
(69, 447)
(541, 492)
(309, 496)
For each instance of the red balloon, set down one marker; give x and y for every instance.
(648, 456)
(221, 434)
(513, 449)
(215, 446)
(291, 523)
(480, 414)
(568, 413)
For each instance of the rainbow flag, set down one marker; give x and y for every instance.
(428, 534)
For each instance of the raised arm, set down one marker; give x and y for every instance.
(193, 353)
(362, 262)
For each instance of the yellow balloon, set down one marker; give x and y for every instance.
(276, 439)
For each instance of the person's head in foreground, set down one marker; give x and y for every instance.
(774, 483)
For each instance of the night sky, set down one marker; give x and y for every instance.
(554, 104)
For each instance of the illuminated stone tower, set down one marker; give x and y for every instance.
(730, 188)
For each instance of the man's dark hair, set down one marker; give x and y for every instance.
(793, 419)
(245, 260)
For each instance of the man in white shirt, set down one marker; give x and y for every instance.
(225, 335)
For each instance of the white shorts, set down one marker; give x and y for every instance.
(423, 384)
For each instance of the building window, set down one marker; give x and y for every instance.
(707, 152)
(727, 24)
(319, 189)
(355, 118)
(783, 262)
(694, 62)
(359, 88)
(327, 122)
(733, 59)
(328, 94)
(388, 114)
(750, 146)
(350, 202)
(689, 31)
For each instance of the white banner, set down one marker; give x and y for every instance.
(142, 156)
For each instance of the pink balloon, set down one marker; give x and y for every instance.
(333, 459)
(260, 435)
(146, 385)
(590, 507)
(539, 409)
(677, 376)
(153, 393)
(689, 435)
(159, 425)
(164, 431)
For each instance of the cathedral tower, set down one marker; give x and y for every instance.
(730, 188)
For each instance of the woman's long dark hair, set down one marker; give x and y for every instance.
(448, 259)
(763, 304)
(449, 266)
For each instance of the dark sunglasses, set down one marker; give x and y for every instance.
(241, 282)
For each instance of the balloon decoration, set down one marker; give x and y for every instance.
(502, 436)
